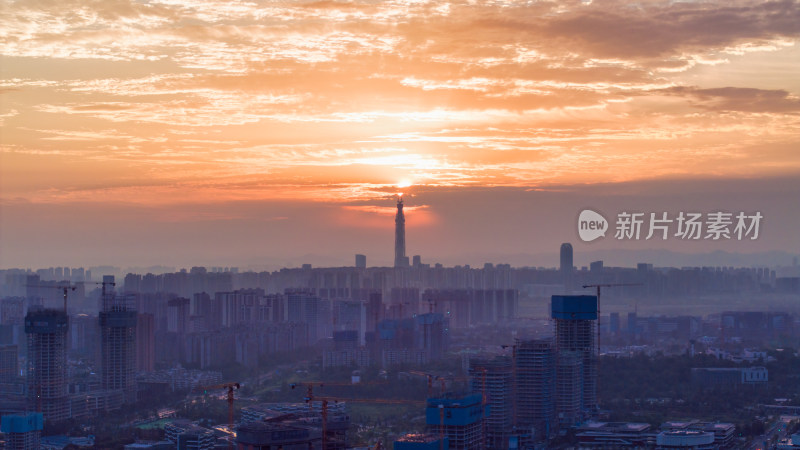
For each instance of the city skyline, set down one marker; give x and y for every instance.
(247, 133)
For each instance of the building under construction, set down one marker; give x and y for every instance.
(275, 435)
(494, 379)
(47, 362)
(459, 419)
(569, 388)
(282, 417)
(576, 331)
(22, 432)
(118, 342)
(534, 400)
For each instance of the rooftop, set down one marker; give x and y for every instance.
(615, 426)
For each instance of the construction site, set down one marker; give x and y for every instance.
(47, 363)
(534, 405)
(118, 343)
(520, 397)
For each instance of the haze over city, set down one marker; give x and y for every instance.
(274, 134)
(389, 225)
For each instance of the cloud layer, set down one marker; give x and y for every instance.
(179, 102)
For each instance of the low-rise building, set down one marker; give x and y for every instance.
(274, 435)
(616, 435)
(685, 439)
(189, 436)
(723, 432)
(729, 376)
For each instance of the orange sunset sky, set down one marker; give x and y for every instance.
(267, 133)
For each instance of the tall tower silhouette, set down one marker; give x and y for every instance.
(48, 392)
(566, 265)
(118, 342)
(400, 258)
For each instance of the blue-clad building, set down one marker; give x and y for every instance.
(23, 432)
(459, 418)
(576, 347)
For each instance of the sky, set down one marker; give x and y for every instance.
(270, 133)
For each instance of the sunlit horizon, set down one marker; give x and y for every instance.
(239, 114)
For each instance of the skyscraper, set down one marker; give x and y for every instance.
(118, 342)
(493, 378)
(400, 258)
(304, 307)
(534, 402)
(576, 319)
(569, 387)
(566, 265)
(361, 261)
(47, 362)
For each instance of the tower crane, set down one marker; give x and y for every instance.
(231, 388)
(64, 288)
(321, 384)
(102, 283)
(430, 377)
(103, 294)
(598, 286)
(326, 400)
(443, 379)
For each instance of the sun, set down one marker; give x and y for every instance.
(404, 184)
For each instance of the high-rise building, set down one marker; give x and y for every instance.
(566, 265)
(9, 365)
(576, 321)
(535, 366)
(633, 326)
(466, 307)
(305, 307)
(12, 310)
(431, 334)
(613, 323)
(23, 432)
(145, 343)
(361, 261)
(178, 315)
(400, 258)
(459, 419)
(375, 311)
(569, 387)
(118, 342)
(47, 362)
(489, 306)
(493, 378)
